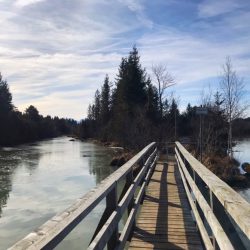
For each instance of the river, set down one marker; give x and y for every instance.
(41, 179)
(242, 154)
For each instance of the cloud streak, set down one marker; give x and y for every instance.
(55, 54)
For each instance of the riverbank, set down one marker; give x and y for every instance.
(224, 167)
(120, 154)
(227, 170)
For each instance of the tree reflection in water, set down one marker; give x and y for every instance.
(10, 159)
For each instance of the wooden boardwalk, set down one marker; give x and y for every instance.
(165, 220)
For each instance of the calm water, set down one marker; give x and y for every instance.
(39, 180)
(243, 155)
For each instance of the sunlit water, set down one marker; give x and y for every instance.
(41, 179)
(242, 154)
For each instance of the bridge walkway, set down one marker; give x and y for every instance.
(165, 220)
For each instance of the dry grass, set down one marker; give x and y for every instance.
(226, 169)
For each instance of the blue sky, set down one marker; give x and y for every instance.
(55, 53)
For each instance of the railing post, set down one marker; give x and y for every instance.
(156, 155)
(143, 195)
(227, 224)
(129, 181)
(212, 207)
(111, 205)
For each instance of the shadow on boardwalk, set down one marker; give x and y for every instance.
(165, 221)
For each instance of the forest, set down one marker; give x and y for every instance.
(17, 127)
(134, 110)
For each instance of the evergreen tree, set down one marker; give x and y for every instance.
(131, 83)
(174, 115)
(90, 114)
(105, 101)
(16, 127)
(152, 107)
(32, 113)
(6, 105)
(97, 106)
(165, 108)
(173, 111)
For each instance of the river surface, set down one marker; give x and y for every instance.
(242, 154)
(41, 179)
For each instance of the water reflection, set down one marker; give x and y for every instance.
(99, 168)
(10, 159)
(39, 180)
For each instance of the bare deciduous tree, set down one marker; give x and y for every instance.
(164, 80)
(232, 88)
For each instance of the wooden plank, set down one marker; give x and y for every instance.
(167, 245)
(203, 232)
(131, 218)
(234, 204)
(106, 231)
(165, 220)
(220, 235)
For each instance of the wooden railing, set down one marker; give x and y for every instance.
(136, 173)
(221, 213)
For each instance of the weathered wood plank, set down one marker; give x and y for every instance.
(106, 231)
(234, 204)
(131, 218)
(203, 232)
(165, 220)
(216, 228)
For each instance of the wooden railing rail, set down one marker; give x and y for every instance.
(220, 212)
(55, 230)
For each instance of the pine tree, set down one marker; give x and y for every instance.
(131, 83)
(90, 112)
(6, 105)
(97, 106)
(152, 106)
(174, 114)
(32, 113)
(105, 101)
(129, 101)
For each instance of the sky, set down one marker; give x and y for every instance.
(55, 53)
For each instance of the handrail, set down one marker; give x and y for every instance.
(55, 230)
(214, 201)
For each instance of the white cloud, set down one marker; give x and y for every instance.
(55, 54)
(211, 8)
(189, 57)
(137, 6)
(22, 3)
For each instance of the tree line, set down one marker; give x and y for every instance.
(133, 110)
(17, 127)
